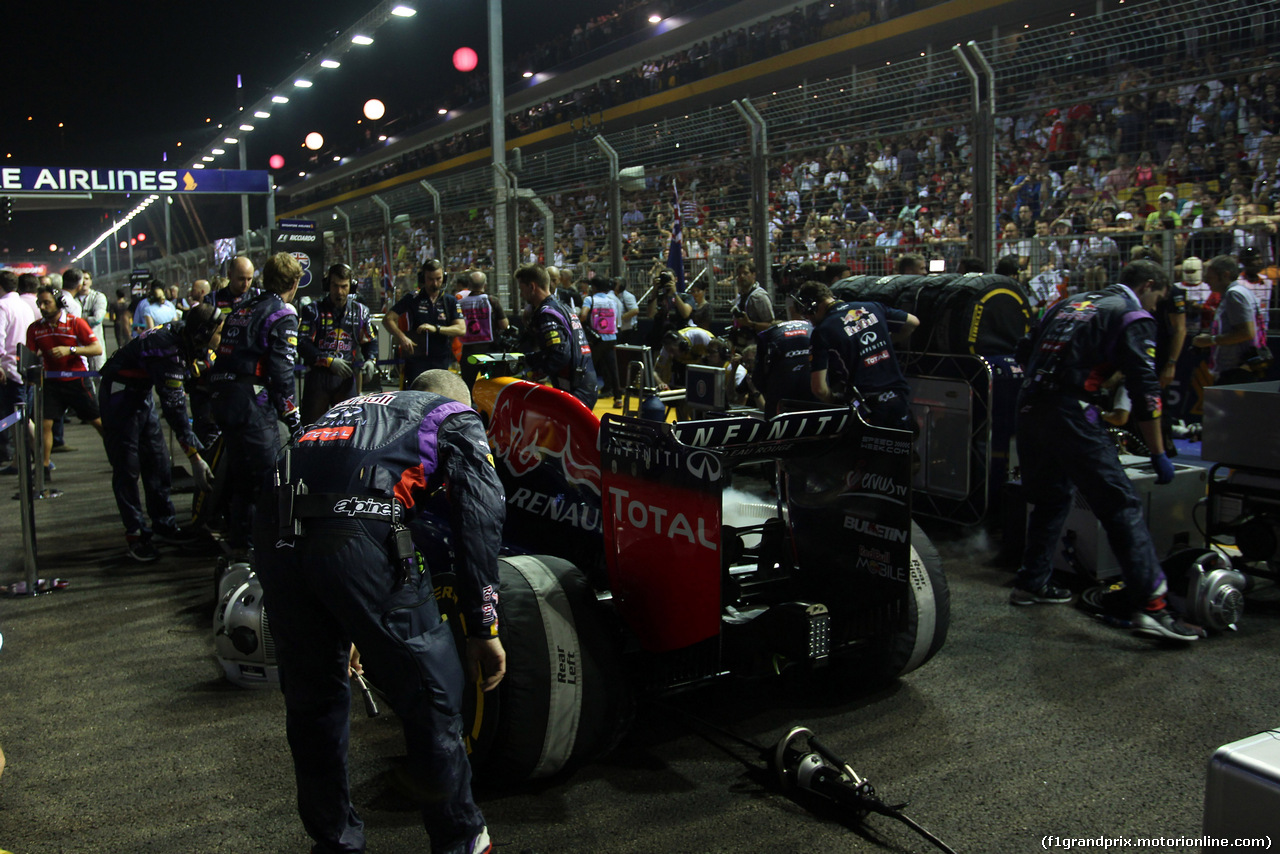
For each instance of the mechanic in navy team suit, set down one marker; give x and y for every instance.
(237, 290)
(1063, 446)
(159, 358)
(432, 320)
(335, 339)
(253, 387)
(348, 574)
(555, 343)
(781, 370)
(852, 356)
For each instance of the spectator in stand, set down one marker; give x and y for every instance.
(1033, 189)
(1118, 179)
(1212, 240)
(1165, 211)
(951, 245)
(1012, 245)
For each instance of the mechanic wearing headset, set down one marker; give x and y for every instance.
(555, 343)
(253, 386)
(159, 358)
(851, 354)
(344, 570)
(336, 338)
(1063, 446)
(431, 318)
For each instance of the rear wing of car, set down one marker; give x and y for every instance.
(846, 488)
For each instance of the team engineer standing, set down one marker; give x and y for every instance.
(336, 339)
(253, 388)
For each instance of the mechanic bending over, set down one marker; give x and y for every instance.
(159, 358)
(344, 570)
(851, 354)
(1063, 446)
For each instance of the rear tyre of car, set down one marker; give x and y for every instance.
(564, 699)
(928, 615)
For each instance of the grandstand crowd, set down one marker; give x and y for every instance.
(1171, 143)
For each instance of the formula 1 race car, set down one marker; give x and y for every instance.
(631, 565)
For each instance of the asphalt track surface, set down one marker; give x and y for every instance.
(122, 735)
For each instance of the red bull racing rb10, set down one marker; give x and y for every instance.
(643, 556)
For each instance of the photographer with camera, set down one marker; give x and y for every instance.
(666, 308)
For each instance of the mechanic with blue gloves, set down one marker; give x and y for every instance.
(336, 339)
(1063, 443)
(253, 386)
(556, 346)
(344, 570)
(159, 358)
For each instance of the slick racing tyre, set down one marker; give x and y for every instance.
(928, 615)
(563, 700)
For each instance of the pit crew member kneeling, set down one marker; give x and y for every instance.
(343, 569)
(159, 358)
(1063, 443)
(555, 344)
(851, 354)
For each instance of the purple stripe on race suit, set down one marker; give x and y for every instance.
(271, 321)
(428, 431)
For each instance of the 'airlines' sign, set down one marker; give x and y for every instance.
(37, 179)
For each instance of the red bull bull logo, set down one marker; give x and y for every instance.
(531, 423)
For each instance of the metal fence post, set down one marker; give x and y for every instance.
(346, 221)
(26, 500)
(615, 209)
(439, 229)
(759, 192)
(386, 228)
